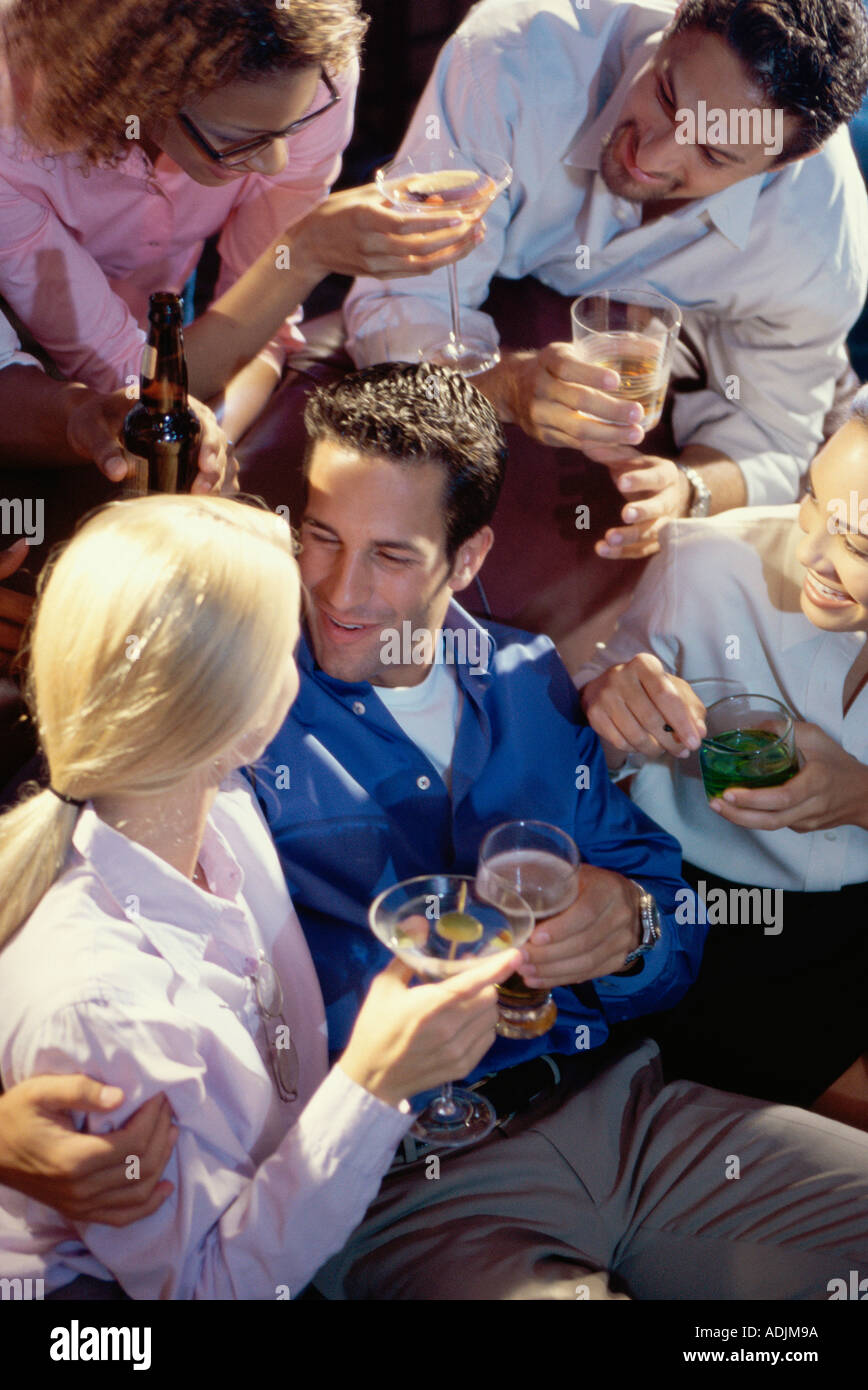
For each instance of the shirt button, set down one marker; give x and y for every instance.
(358, 707)
(423, 783)
(830, 835)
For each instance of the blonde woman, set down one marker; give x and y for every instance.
(150, 940)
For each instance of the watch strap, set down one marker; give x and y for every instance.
(700, 495)
(649, 919)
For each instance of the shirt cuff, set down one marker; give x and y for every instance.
(655, 964)
(405, 329)
(19, 359)
(354, 1127)
(771, 477)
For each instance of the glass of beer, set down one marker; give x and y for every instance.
(750, 743)
(540, 863)
(633, 333)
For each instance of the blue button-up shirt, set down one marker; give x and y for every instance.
(355, 806)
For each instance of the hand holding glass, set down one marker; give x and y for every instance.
(444, 179)
(541, 863)
(438, 925)
(750, 743)
(633, 333)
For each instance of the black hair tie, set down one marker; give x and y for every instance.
(70, 800)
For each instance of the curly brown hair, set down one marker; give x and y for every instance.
(96, 64)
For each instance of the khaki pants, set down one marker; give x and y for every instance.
(678, 1191)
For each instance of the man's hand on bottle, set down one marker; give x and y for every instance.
(357, 232)
(95, 422)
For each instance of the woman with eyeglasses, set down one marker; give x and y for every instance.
(769, 601)
(148, 937)
(166, 124)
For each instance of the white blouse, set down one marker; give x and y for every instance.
(721, 601)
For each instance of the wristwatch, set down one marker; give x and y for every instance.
(649, 918)
(700, 496)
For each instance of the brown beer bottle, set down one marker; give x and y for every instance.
(161, 431)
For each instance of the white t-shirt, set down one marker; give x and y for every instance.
(428, 713)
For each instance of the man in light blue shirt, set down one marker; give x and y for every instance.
(621, 179)
(606, 1168)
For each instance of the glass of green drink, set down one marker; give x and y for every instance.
(750, 743)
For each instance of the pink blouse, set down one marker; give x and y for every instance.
(81, 252)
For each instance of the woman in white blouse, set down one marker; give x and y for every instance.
(149, 937)
(775, 601)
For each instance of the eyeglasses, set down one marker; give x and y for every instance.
(233, 155)
(281, 1048)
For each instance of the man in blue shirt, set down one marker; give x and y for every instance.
(413, 734)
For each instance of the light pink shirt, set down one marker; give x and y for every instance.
(80, 253)
(129, 972)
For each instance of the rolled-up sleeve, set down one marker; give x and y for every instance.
(267, 207)
(227, 1231)
(61, 294)
(772, 373)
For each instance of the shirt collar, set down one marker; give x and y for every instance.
(178, 918)
(306, 710)
(731, 210)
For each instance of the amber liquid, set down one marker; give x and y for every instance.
(641, 371)
(548, 885)
(161, 433)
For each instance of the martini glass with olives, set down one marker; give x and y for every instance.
(438, 925)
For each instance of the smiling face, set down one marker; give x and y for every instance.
(642, 159)
(234, 114)
(374, 557)
(834, 518)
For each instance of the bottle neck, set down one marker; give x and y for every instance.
(164, 368)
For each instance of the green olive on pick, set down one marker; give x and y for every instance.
(459, 927)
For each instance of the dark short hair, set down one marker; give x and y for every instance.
(859, 406)
(415, 412)
(808, 57)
